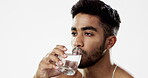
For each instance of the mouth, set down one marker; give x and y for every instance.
(77, 51)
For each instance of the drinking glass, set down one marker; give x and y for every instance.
(70, 64)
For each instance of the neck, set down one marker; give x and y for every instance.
(103, 68)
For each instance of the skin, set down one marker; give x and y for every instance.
(87, 34)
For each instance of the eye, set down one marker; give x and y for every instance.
(88, 34)
(73, 34)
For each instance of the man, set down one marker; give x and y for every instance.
(94, 30)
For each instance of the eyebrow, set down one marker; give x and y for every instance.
(73, 28)
(85, 28)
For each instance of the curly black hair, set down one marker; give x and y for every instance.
(109, 17)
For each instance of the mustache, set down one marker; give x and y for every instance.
(78, 51)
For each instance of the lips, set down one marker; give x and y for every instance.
(77, 51)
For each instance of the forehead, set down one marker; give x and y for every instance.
(84, 20)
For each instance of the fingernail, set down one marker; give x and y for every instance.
(56, 67)
(60, 63)
(64, 55)
(64, 48)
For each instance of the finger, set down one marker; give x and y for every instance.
(59, 52)
(44, 65)
(54, 60)
(49, 64)
(55, 67)
(61, 47)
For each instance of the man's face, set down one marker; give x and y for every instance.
(88, 34)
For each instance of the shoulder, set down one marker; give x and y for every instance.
(121, 73)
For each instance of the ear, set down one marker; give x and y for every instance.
(110, 41)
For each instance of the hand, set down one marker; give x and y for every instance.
(47, 67)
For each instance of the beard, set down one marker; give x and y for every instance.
(91, 58)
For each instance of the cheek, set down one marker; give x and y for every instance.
(91, 44)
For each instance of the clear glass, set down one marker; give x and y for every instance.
(70, 64)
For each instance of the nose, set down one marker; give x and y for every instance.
(78, 41)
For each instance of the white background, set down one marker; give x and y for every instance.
(31, 28)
